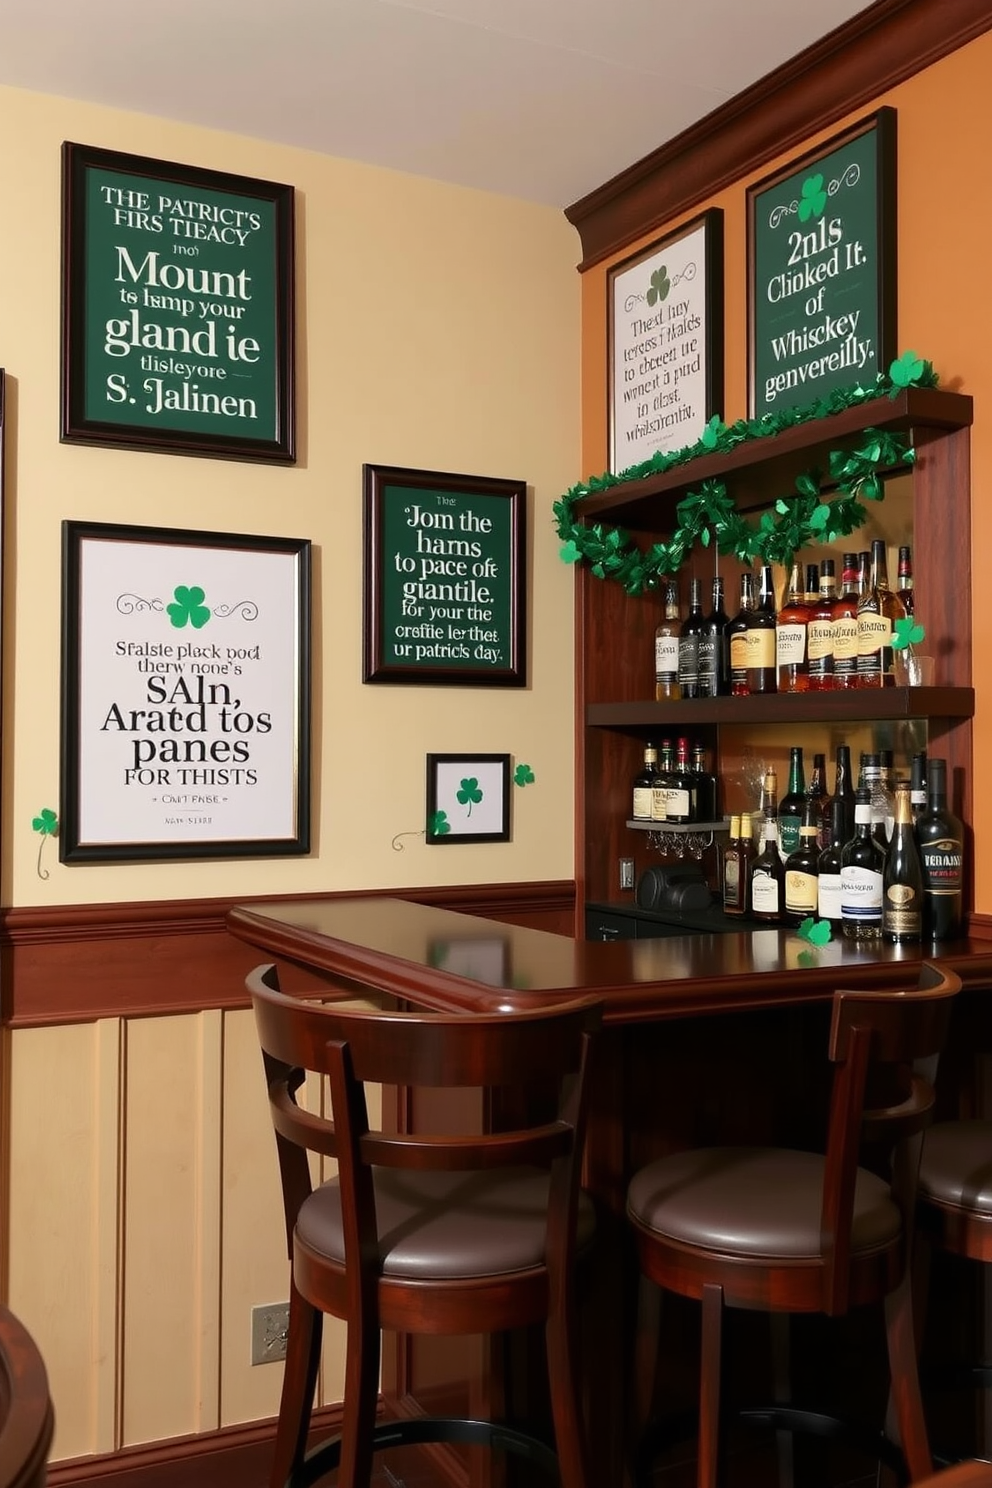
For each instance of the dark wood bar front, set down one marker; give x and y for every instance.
(708, 1038)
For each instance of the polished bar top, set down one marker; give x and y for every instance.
(441, 959)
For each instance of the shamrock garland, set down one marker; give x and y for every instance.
(709, 515)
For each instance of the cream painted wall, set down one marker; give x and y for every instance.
(438, 329)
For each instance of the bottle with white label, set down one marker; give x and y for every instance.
(828, 889)
(767, 875)
(666, 648)
(644, 785)
(861, 875)
(791, 628)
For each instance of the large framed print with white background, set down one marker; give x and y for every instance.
(821, 237)
(177, 308)
(185, 694)
(665, 336)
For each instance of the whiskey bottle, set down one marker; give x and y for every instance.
(902, 882)
(820, 635)
(791, 626)
(681, 787)
(689, 642)
(767, 874)
(713, 669)
(801, 869)
(883, 806)
(666, 648)
(940, 839)
(812, 584)
(845, 622)
(905, 589)
(737, 638)
(790, 813)
(644, 785)
(878, 611)
(828, 885)
(659, 790)
(761, 636)
(862, 868)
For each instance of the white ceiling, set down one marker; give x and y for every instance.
(539, 99)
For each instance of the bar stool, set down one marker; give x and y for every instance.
(426, 1233)
(26, 1417)
(790, 1232)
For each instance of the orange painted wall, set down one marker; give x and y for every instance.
(944, 131)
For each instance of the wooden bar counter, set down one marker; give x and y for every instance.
(708, 1038)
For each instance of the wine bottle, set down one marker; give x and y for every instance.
(844, 788)
(666, 648)
(733, 880)
(790, 813)
(737, 637)
(791, 627)
(940, 838)
(905, 590)
(816, 792)
(713, 668)
(862, 865)
(828, 867)
(801, 869)
(761, 636)
(820, 636)
(689, 642)
(705, 786)
(644, 785)
(918, 784)
(846, 626)
(902, 882)
(878, 610)
(767, 873)
(681, 787)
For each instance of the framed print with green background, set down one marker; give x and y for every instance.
(445, 582)
(177, 308)
(185, 694)
(822, 269)
(665, 337)
(468, 798)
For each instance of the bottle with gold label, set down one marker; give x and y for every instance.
(644, 785)
(737, 638)
(733, 880)
(820, 636)
(666, 648)
(801, 869)
(791, 627)
(878, 611)
(845, 626)
(902, 883)
(760, 636)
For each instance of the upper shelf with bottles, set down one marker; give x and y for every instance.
(760, 470)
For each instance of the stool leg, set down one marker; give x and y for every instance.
(569, 1436)
(906, 1398)
(361, 1396)
(708, 1471)
(298, 1384)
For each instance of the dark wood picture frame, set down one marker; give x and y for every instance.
(185, 694)
(665, 356)
(836, 350)
(457, 785)
(178, 308)
(445, 589)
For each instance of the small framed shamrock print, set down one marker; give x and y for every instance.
(185, 694)
(665, 333)
(468, 798)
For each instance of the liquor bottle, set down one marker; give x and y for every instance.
(883, 807)
(666, 648)
(790, 813)
(737, 638)
(816, 792)
(748, 855)
(662, 779)
(846, 626)
(801, 871)
(820, 636)
(918, 784)
(681, 787)
(767, 873)
(644, 785)
(828, 888)
(791, 626)
(844, 788)
(940, 839)
(733, 881)
(713, 668)
(878, 611)
(862, 866)
(705, 786)
(689, 642)
(905, 590)
(812, 584)
(902, 882)
(761, 636)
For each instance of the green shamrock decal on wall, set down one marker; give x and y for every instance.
(523, 775)
(439, 824)
(813, 198)
(188, 606)
(47, 823)
(470, 791)
(659, 286)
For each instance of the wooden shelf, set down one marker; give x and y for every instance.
(681, 829)
(868, 704)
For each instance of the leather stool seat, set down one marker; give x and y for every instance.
(956, 1166)
(440, 1226)
(761, 1202)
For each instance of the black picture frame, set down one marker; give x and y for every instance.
(665, 342)
(445, 590)
(460, 784)
(185, 710)
(178, 308)
(822, 281)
